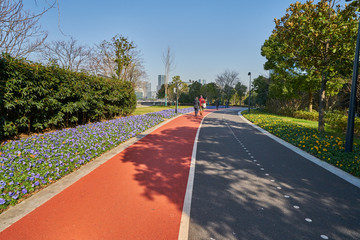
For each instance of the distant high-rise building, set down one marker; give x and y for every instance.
(161, 81)
(143, 90)
(148, 90)
(202, 81)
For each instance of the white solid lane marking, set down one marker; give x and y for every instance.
(338, 172)
(185, 216)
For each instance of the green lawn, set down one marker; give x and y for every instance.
(314, 125)
(328, 146)
(144, 110)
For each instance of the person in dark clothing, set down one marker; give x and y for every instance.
(196, 106)
(217, 103)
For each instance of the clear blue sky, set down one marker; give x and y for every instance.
(206, 36)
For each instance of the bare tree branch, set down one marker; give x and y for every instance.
(67, 54)
(21, 33)
(168, 60)
(228, 77)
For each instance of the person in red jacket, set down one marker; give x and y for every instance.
(202, 104)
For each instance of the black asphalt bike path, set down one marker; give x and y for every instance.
(248, 186)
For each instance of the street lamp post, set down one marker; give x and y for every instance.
(352, 106)
(166, 87)
(249, 74)
(176, 89)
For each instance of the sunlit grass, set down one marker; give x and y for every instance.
(310, 124)
(144, 110)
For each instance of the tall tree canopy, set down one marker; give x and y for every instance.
(119, 58)
(317, 39)
(178, 84)
(240, 90)
(211, 91)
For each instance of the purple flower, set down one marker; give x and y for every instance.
(2, 201)
(2, 184)
(68, 149)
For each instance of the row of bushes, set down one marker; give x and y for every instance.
(34, 97)
(335, 119)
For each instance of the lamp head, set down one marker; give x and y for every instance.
(249, 73)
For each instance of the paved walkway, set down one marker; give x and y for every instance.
(250, 186)
(137, 194)
(244, 185)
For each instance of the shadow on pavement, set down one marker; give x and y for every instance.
(237, 198)
(162, 160)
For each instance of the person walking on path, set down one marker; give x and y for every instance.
(196, 106)
(217, 103)
(202, 104)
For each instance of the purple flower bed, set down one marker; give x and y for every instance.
(29, 164)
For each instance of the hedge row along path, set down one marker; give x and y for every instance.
(136, 194)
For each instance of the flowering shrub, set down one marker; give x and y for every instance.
(323, 146)
(29, 164)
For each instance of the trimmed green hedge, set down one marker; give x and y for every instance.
(34, 97)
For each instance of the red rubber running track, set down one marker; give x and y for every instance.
(138, 194)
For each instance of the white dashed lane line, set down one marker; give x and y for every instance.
(309, 220)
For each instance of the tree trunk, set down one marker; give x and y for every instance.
(310, 101)
(321, 127)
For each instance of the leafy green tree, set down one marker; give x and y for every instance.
(287, 81)
(181, 88)
(228, 92)
(194, 90)
(318, 38)
(161, 93)
(185, 98)
(123, 57)
(119, 54)
(211, 91)
(240, 90)
(261, 87)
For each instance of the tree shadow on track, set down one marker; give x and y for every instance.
(234, 199)
(162, 160)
